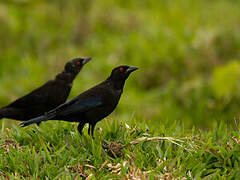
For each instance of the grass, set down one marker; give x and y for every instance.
(55, 150)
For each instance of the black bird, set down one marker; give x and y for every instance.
(92, 105)
(47, 97)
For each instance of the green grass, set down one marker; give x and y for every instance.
(187, 87)
(56, 150)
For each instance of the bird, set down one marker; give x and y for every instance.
(92, 105)
(47, 97)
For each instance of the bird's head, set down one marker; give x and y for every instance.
(120, 74)
(75, 65)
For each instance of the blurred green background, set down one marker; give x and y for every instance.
(187, 52)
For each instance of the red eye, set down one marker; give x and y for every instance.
(121, 69)
(78, 63)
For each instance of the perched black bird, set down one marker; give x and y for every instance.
(92, 105)
(47, 97)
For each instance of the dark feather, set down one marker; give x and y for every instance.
(36, 120)
(81, 106)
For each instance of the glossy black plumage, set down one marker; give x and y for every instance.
(92, 105)
(47, 97)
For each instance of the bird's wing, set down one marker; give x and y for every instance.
(37, 96)
(28, 100)
(76, 106)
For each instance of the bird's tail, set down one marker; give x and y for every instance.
(34, 120)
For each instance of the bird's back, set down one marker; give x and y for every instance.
(95, 103)
(37, 102)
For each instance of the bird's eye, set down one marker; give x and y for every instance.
(79, 63)
(121, 69)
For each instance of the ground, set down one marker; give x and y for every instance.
(120, 151)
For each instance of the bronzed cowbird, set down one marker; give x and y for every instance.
(47, 97)
(92, 105)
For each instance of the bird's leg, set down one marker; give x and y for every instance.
(91, 129)
(80, 127)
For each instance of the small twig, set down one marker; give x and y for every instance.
(103, 165)
(137, 141)
(235, 140)
(172, 140)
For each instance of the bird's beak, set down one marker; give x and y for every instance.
(85, 60)
(131, 69)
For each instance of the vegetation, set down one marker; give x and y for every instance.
(187, 87)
